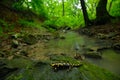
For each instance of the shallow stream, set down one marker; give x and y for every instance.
(71, 45)
(110, 60)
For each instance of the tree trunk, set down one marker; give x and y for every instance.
(63, 13)
(102, 16)
(86, 19)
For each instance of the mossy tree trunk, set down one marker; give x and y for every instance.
(102, 16)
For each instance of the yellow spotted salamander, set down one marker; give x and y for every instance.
(63, 66)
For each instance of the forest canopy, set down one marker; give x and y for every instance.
(62, 13)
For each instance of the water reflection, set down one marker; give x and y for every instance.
(110, 61)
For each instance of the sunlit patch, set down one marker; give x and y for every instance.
(29, 0)
(30, 7)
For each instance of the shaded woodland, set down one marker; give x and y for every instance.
(59, 39)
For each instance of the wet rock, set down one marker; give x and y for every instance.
(92, 54)
(92, 49)
(116, 47)
(4, 71)
(96, 49)
(101, 36)
(106, 36)
(103, 44)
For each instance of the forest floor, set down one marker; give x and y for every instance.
(31, 45)
(109, 31)
(23, 48)
(21, 41)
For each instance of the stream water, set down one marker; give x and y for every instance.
(110, 60)
(71, 45)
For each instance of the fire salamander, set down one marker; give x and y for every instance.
(63, 66)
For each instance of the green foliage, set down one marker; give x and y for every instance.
(26, 23)
(18, 5)
(52, 10)
(65, 21)
(115, 8)
(1, 31)
(91, 8)
(39, 8)
(13, 77)
(25, 74)
(3, 23)
(93, 72)
(5, 26)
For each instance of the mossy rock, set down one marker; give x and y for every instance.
(93, 72)
(85, 72)
(64, 59)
